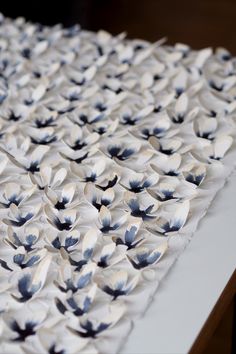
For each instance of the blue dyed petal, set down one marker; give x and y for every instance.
(87, 304)
(84, 280)
(153, 258)
(103, 326)
(32, 261)
(142, 257)
(130, 235)
(70, 241)
(127, 153)
(30, 239)
(88, 253)
(19, 258)
(56, 243)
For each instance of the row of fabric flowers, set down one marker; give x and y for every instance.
(102, 43)
(34, 95)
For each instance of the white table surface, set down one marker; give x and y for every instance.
(192, 287)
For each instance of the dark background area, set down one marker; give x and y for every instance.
(199, 23)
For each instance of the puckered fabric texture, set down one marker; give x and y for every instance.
(111, 151)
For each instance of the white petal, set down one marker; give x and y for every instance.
(46, 173)
(118, 279)
(99, 167)
(152, 179)
(154, 142)
(202, 56)
(39, 152)
(90, 72)
(105, 214)
(108, 250)
(3, 163)
(12, 189)
(68, 192)
(42, 271)
(181, 214)
(40, 47)
(70, 214)
(59, 177)
(180, 80)
(133, 283)
(159, 250)
(89, 240)
(76, 133)
(207, 125)
(109, 194)
(38, 93)
(52, 196)
(222, 145)
(103, 37)
(146, 80)
(181, 104)
(172, 162)
(92, 138)
(142, 55)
